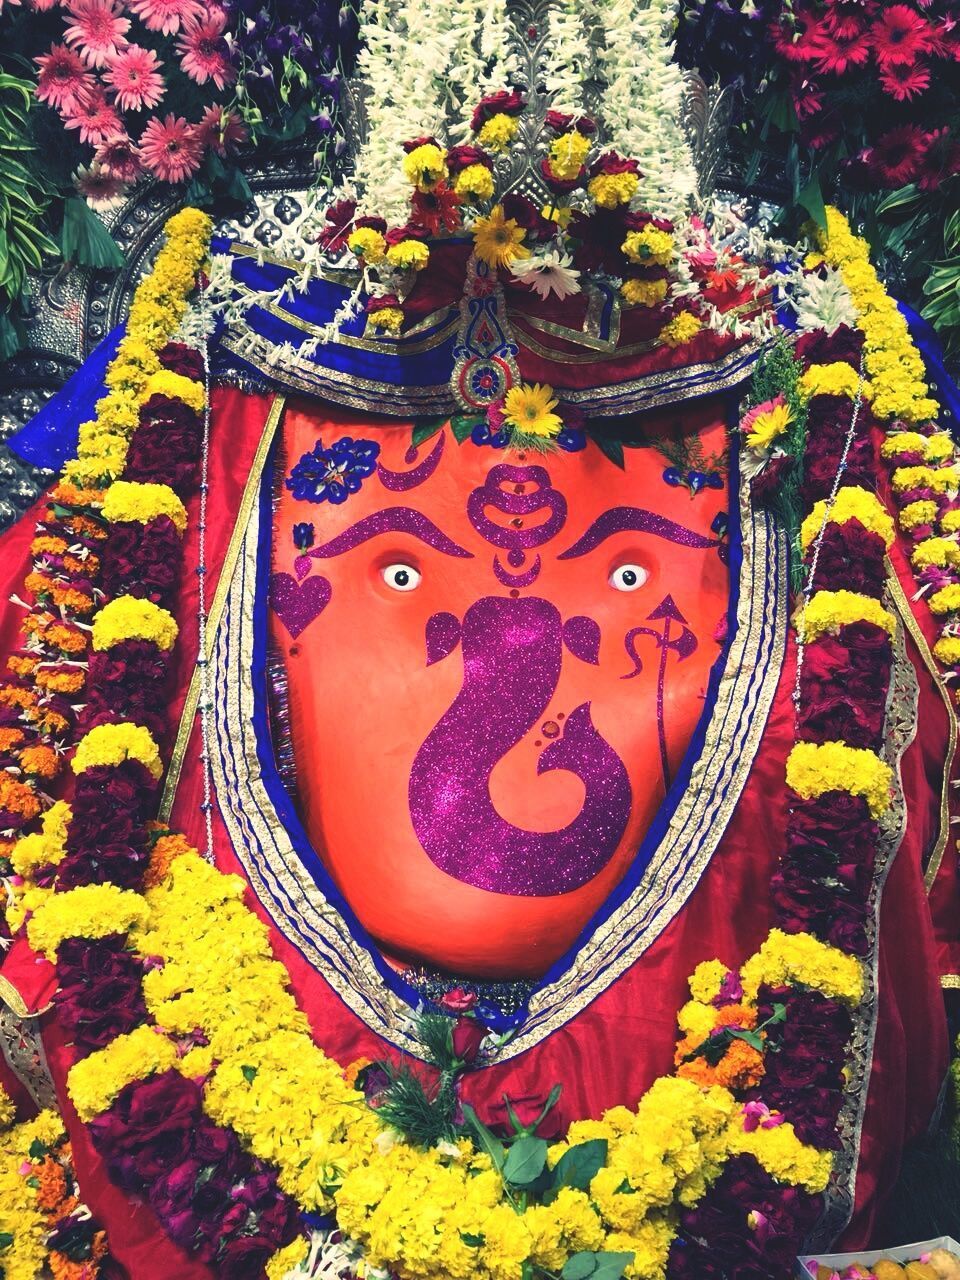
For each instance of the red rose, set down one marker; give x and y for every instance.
(458, 1000)
(467, 1036)
(508, 102)
(425, 140)
(179, 358)
(142, 560)
(612, 162)
(820, 347)
(562, 122)
(459, 158)
(149, 1129)
(339, 221)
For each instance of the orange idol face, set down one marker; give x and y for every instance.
(496, 660)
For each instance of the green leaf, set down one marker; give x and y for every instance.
(751, 1037)
(525, 1160)
(37, 1150)
(471, 1241)
(249, 1074)
(462, 424)
(6, 1239)
(490, 1144)
(579, 1266)
(902, 198)
(84, 240)
(424, 428)
(611, 1266)
(578, 1166)
(810, 198)
(611, 449)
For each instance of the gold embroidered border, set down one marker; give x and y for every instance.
(902, 605)
(950, 981)
(385, 347)
(250, 493)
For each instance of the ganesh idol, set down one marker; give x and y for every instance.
(548, 661)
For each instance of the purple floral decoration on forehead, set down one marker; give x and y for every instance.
(331, 475)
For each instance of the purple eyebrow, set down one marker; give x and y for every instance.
(634, 520)
(391, 520)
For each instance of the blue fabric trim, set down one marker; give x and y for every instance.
(943, 386)
(51, 436)
(287, 814)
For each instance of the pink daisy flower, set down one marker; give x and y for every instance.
(94, 116)
(100, 189)
(41, 6)
(134, 75)
(205, 50)
(904, 82)
(219, 129)
(170, 148)
(98, 30)
(167, 16)
(64, 80)
(118, 155)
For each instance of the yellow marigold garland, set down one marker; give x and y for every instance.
(89, 911)
(127, 500)
(107, 744)
(132, 618)
(815, 768)
(851, 503)
(827, 611)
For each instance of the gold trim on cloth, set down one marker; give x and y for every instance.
(919, 639)
(22, 1046)
(250, 491)
(950, 981)
(303, 914)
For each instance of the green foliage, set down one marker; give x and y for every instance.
(24, 245)
(84, 240)
(596, 1266)
(423, 1118)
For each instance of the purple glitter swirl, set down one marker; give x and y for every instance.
(634, 520)
(401, 480)
(510, 537)
(391, 520)
(512, 652)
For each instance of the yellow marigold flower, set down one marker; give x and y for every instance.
(914, 514)
(814, 768)
(43, 848)
(498, 241)
(836, 379)
(940, 447)
(95, 473)
(387, 319)
(127, 500)
(946, 600)
(644, 293)
(507, 1243)
(408, 255)
(95, 1081)
(852, 503)
(680, 329)
(528, 409)
(784, 1156)
(828, 611)
(785, 959)
(696, 1020)
(903, 442)
(367, 243)
(498, 131)
(949, 521)
(8, 1110)
(650, 1245)
(425, 166)
(90, 911)
(474, 183)
(947, 650)
(651, 246)
(561, 216)
(567, 155)
(131, 618)
(941, 552)
(287, 1259)
(706, 979)
(190, 228)
(111, 744)
(609, 190)
(177, 387)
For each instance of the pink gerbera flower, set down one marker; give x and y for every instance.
(900, 36)
(41, 6)
(134, 75)
(94, 116)
(897, 154)
(837, 53)
(98, 30)
(219, 129)
(905, 82)
(118, 155)
(167, 16)
(63, 78)
(100, 189)
(205, 50)
(170, 148)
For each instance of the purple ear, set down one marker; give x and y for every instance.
(582, 637)
(443, 636)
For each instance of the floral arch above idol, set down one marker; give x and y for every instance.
(505, 826)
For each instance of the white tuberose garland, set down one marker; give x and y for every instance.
(643, 98)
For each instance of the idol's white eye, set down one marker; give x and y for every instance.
(627, 577)
(402, 577)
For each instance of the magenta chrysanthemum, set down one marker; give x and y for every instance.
(170, 148)
(94, 116)
(134, 75)
(63, 78)
(118, 155)
(98, 30)
(166, 16)
(204, 50)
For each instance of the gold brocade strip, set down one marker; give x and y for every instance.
(188, 715)
(902, 605)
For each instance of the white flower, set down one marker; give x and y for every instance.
(822, 301)
(547, 273)
(101, 190)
